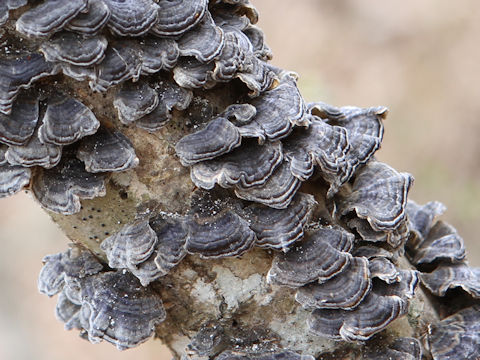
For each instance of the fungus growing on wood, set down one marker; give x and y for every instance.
(74, 49)
(379, 308)
(110, 306)
(277, 191)
(34, 153)
(248, 166)
(66, 120)
(3, 150)
(17, 127)
(134, 101)
(456, 336)
(171, 96)
(382, 268)
(171, 242)
(432, 242)
(204, 42)
(75, 262)
(149, 249)
(158, 54)
(379, 196)
(322, 145)
(221, 235)
(122, 62)
(59, 189)
(236, 50)
(267, 355)
(323, 254)
(345, 290)
(131, 18)
(220, 136)
(177, 16)
(91, 21)
(20, 73)
(239, 114)
(421, 218)
(48, 17)
(290, 198)
(279, 228)
(446, 277)
(13, 179)
(278, 110)
(442, 243)
(404, 348)
(131, 246)
(121, 311)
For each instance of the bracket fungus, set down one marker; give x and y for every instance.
(48, 17)
(131, 18)
(219, 137)
(248, 166)
(267, 355)
(443, 278)
(342, 291)
(205, 43)
(59, 189)
(225, 193)
(149, 249)
(66, 120)
(158, 54)
(321, 255)
(3, 150)
(380, 307)
(20, 73)
(13, 179)
(18, 127)
(74, 49)
(131, 246)
(122, 62)
(171, 97)
(34, 153)
(279, 228)
(107, 150)
(107, 305)
(177, 16)
(133, 101)
(277, 110)
(91, 21)
(215, 229)
(456, 336)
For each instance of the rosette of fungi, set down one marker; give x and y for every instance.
(438, 251)
(109, 44)
(104, 305)
(255, 160)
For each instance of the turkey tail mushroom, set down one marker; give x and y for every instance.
(49, 17)
(92, 21)
(455, 337)
(217, 186)
(110, 306)
(320, 256)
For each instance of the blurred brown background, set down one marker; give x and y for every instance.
(419, 58)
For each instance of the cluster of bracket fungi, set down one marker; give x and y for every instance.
(253, 163)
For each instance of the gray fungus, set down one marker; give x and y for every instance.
(268, 170)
